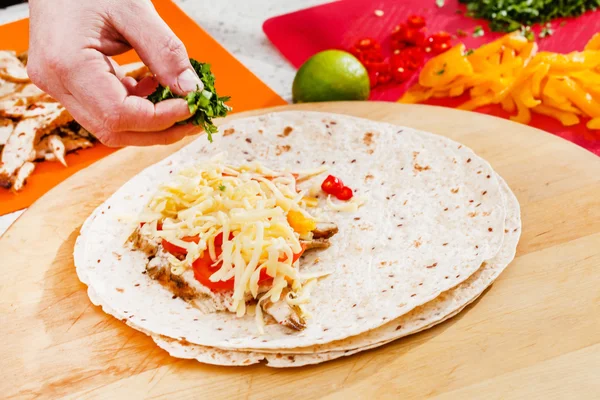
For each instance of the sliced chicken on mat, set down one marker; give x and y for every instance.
(18, 150)
(11, 68)
(51, 148)
(20, 109)
(22, 175)
(20, 146)
(8, 88)
(6, 128)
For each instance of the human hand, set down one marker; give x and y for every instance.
(70, 45)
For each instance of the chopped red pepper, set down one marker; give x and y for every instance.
(440, 37)
(408, 44)
(345, 193)
(332, 185)
(416, 22)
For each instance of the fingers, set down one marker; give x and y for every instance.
(142, 88)
(105, 97)
(158, 47)
(167, 136)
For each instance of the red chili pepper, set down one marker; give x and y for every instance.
(368, 44)
(438, 48)
(332, 185)
(373, 79)
(401, 74)
(440, 37)
(416, 22)
(345, 193)
(413, 57)
(397, 44)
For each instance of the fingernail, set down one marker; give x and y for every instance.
(188, 81)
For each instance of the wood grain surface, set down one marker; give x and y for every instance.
(534, 334)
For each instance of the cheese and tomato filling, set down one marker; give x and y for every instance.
(247, 221)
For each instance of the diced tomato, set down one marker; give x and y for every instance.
(332, 185)
(203, 269)
(345, 193)
(176, 250)
(416, 22)
(158, 225)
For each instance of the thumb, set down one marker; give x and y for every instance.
(156, 44)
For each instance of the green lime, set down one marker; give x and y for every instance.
(331, 75)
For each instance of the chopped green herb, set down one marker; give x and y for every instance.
(439, 3)
(469, 52)
(458, 12)
(222, 188)
(528, 33)
(441, 71)
(461, 33)
(203, 104)
(546, 31)
(510, 15)
(563, 23)
(478, 31)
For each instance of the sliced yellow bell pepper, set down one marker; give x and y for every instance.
(566, 106)
(300, 223)
(477, 102)
(508, 55)
(593, 43)
(416, 94)
(526, 97)
(583, 100)
(565, 118)
(446, 67)
(511, 72)
(523, 114)
(508, 104)
(593, 123)
(456, 91)
(515, 40)
(575, 61)
(536, 79)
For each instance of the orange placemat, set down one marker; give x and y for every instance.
(246, 90)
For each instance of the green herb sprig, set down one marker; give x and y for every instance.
(204, 104)
(510, 15)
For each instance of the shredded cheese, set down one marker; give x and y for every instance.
(248, 206)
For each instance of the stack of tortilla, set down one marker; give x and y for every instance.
(436, 228)
(33, 126)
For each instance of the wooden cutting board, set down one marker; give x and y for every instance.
(535, 333)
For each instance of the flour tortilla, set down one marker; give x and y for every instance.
(445, 306)
(434, 212)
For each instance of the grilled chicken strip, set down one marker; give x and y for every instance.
(325, 230)
(186, 287)
(285, 314)
(11, 68)
(6, 128)
(22, 174)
